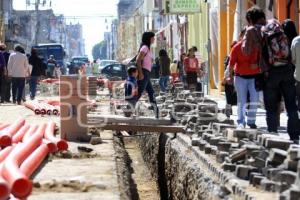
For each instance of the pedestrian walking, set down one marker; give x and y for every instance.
(191, 67)
(155, 69)
(95, 67)
(6, 81)
(36, 72)
(131, 90)
(144, 65)
(245, 69)
(174, 71)
(296, 61)
(82, 69)
(181, 71)
(164, 70)
(230, 92)
(3, 72)
(290, 30)
(51, 64)
(18, 70)
(276, 66)
(57, 71)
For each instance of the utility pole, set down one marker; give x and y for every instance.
(36, 8)
(36, 5)
(2, 21)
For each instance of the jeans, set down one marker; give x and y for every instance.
(163, 83)
(280, 81)
(18, 85)
(243, 86)
(145, 84)
(33, 85)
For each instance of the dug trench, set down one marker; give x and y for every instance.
(176, 174)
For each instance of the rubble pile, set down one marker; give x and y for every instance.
(268, 162)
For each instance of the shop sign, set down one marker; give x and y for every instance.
(184, 6)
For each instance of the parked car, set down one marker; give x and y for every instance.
(76, 63)
(115, 71)
(104, 63)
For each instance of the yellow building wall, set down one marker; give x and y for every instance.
(198, 31)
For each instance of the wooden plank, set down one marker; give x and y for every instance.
(153, 129)
(96, 119)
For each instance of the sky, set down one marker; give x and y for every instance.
(93, 22)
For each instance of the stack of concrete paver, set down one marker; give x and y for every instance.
(268, 162)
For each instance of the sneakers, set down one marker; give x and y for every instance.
(252, 126)
(240, 126)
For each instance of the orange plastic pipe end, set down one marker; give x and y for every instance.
(22, 187)
(4, 189)
(7, 134)
(5, 140)
(51, 146)
(61, 144)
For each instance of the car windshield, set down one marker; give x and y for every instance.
(57, 52)
(80, 60)
(107, 62)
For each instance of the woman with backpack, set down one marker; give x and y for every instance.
(144, 65)
(276, 66)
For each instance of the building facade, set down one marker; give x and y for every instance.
(75, 45)
(211, 26)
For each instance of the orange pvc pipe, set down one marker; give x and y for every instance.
(3, 126)
(20, 134)
(57, 110)
(19, 183)
(47, 108)
(6, 136)
(33, 106)
(43, 109)
(53, 102)
(4, 189)
(61, 144)
(34, 160)
(30, 132)
(5, 152)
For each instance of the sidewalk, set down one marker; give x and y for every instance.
(260, 117)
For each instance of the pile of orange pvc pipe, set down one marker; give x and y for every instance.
(50, 81)
(23, 149)
(48, 107)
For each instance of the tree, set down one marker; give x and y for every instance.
(100, 51)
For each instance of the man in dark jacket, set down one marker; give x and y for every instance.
(6, 86)
(37, 71)
(2, 74)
